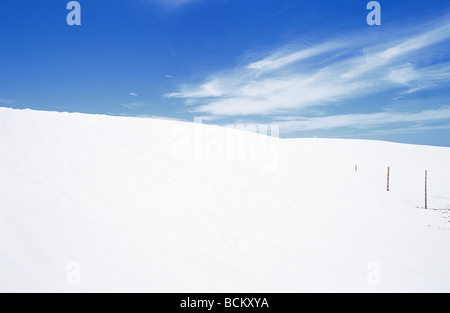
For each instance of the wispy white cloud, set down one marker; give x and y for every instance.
(278, 60)
(133, 94)
(6, 101)
(398, 49)
(403, 74)
(331, 71)
(159, 117)
(134, 105)
(364, 121)
(173, 4)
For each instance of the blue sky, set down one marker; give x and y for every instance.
(313, 67)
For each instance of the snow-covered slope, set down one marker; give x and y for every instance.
(98, 203)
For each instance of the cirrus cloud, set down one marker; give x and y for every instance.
(288, 79)
(6, 101)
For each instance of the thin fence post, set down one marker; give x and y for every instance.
(388, 176)
(356, 167)
(426, 189)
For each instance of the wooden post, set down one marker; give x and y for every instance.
(356, 167)
(426, 189)
(388, 174)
